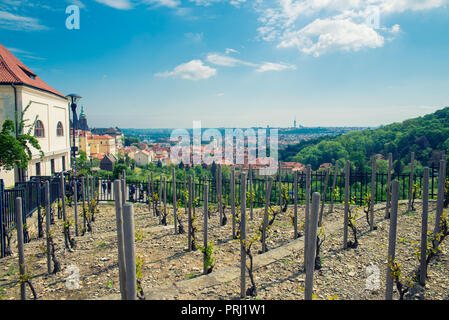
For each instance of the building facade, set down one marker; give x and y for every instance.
(47, 113)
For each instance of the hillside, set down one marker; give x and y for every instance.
(427, 136)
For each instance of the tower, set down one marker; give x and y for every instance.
(294, 123)
(82, 122)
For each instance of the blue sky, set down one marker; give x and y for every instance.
(238, 63)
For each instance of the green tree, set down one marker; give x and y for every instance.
(17, 150)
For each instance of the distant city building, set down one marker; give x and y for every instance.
(82, 121)
(116, 133)
(108, 162)
(143, 157)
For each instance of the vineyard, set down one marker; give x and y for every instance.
(316, 236)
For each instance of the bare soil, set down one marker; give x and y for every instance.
(345, 274)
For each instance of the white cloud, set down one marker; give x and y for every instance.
(270, 66)
(318, 26)
(322, 36)
(20, 23)
(195, 37)
(192, 70)
(164, 3)
(117, 4)
(226, 61)
(229, 50)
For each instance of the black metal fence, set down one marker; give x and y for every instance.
(360, 186)
(32, 194)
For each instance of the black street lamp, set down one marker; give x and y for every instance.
(74, 98)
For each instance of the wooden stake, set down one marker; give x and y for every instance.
(130, 252)
(392, 238)
(326, 183)
(425, 210)
(47, 223)
(346, 214)
(120, 246)
(311, 250)
(440, 199)
(410, 185)
(175, 218)
(206, 208)
(19, 228)
(390, 168)
(334, 184)
(295, 204)
(243, 237)
(373, 193)
(307, 213)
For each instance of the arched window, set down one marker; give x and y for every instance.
(39, 131)
(60, 129)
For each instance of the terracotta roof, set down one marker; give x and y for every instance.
(13, 71)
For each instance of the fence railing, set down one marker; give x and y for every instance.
(360, 186)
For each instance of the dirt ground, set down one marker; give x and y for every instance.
(345, 274)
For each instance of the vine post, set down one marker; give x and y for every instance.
(130, 251)
(250, 176)
(346, 214)
(295, 206)
(206, 208)
(334, 184)
(75, 203)
(19, 226)
(165, 198)
(243, 236)
(307, 213)
(326, 184)
(219, 194)
(440, 197)
(47, 223)
(189, 226)
(390, 168)
(373, 193)
(64, 215)
(150, 190)
(280, 185)
(233, 201)
(425, 210)
(268, 183)
(124, 188)
(311, 249)
(410, 185)
(174, 201)
(119, 222)
(83, 194)
(392, 238)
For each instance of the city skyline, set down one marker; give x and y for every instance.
(165, 64)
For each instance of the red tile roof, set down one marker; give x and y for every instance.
(13, 71)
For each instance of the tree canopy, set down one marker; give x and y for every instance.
(427, 136)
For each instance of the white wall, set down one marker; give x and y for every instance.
(50, 109)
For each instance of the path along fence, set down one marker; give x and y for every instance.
(32, 192)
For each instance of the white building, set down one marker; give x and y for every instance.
(143, 157)
(19, 87)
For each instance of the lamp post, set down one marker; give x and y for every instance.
(74, 98)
